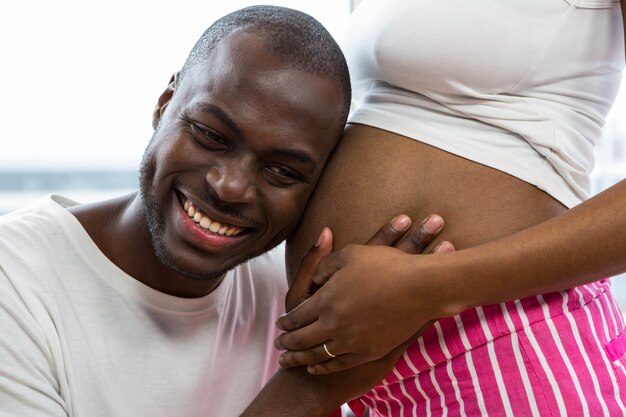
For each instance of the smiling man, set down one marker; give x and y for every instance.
(143, 305)
(240, 140)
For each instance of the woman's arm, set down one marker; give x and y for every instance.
(583, 245)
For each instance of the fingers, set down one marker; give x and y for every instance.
(334, 365)
(328, 267)
(302, 315)
(326, 357)
(388, 235)
(319, 360)
(303, 286)
(391, 232)
(444, 247)
(401, 235)
(319, 353)
(300, 339)
(311, 259)
(419, 237)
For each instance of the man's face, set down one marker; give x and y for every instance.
(237, 151)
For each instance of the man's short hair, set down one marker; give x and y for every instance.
(297, 38)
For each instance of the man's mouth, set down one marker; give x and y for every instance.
(207, 223)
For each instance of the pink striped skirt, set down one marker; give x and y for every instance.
(558, 354)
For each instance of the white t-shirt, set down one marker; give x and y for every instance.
(81, 338)
(522, 86)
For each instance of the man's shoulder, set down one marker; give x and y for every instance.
(35, 221)
(31, 237)
(48, 206)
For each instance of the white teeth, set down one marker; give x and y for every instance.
(233, 231)
(205, 222)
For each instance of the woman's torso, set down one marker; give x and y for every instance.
(468, 110)
(484, 112)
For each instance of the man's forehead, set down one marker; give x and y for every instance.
(245, 45)
(254, 87)
(242, 66)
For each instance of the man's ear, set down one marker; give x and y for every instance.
(164, 99)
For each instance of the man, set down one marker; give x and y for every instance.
(125, 307)
(141, 305)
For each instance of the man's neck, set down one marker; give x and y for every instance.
(120, 230)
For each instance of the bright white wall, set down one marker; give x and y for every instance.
(80, 78)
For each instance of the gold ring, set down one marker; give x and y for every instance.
(328, 351)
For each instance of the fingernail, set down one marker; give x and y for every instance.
(401, 222)
(433, 224)
(277, 344)
(442, 247)
(320, 238)
(279, 325)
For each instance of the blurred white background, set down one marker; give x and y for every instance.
(81, 77)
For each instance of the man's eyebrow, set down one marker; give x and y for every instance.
(296, 154)
(220, 114)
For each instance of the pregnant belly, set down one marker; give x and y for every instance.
(374, 175)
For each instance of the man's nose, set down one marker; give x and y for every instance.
(233, 182)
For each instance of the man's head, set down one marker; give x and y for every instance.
(241, 137)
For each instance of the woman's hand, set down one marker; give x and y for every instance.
(347, 313)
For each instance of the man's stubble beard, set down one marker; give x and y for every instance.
(156, 222)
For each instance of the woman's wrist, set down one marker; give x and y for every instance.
(447, 284)
(435, 286)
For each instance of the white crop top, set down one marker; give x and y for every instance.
(522, 86)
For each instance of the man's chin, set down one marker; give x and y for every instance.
(204, 276)
(193, 272)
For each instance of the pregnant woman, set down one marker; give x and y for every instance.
(485, 112)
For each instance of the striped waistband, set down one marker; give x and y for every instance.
(450, 337)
